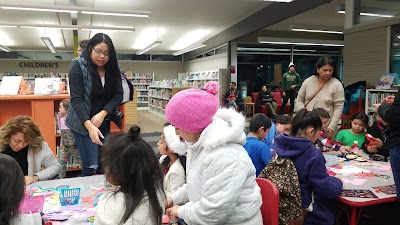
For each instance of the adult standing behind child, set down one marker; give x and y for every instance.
(67, 145)
(220, 181)
(323, 90)
(318, 189)
(21, 139)
(134, 192)
(96, 91)
(290, 83)
(12, 190)
(356, 133)
(258, 151)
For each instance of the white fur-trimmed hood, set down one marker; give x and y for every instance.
(227, 127)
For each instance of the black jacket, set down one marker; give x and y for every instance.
(228, 93)
(264, 97)
(391, 116)
(377, 132)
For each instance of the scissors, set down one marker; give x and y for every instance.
(383, 176)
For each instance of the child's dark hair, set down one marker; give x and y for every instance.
(304, 119)
(182, 158)
(360, 116)
(282, 119)
(133, 165)
(322, 113)
(259, 120)
(65, 103)
(12, 188)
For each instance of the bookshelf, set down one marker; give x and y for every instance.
(200, 78)
(141, 83)
(160, 93)
(375, 96)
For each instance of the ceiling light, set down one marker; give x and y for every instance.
(70, 27)
(306, 42)
(5, 48)
(278, 0)
(115, 14)
(47, 41)
(317, 31)
(152, 45)
(188, 49)
(75, 9)
(369, 14)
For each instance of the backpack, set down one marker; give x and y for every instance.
(127, 88)
(283, 173)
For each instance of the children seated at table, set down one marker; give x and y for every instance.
(134, 192)
(323, 143)
(318, 189)
(12, 190)
(21, 139)
(67, 145)
(280, 124)
(173, 159)
(258, 150)
(379, 132)
(356, 133)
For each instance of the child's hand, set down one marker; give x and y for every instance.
(329, 133)
(389, 99)
(344, 149)
(173, 211)
(30, 180)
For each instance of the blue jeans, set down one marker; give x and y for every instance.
(90, 152)
(395, 164)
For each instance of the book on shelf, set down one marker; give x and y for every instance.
(386, 81)
(10, 85)
(47, 86)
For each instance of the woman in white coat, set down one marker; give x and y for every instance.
(220, 181)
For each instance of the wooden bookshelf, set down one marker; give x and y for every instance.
(42, 109)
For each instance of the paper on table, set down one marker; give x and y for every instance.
(349, 170)
(32, 204)
(354, 181)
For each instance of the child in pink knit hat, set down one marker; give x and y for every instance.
(220, 176)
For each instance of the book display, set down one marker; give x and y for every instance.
(375, 96)
(199, 79)
(141, 83)
(160, 93)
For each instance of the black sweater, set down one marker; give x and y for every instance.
(391, 116)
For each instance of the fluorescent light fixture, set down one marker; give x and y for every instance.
(116, 14)
(152, 45)
(306, 42)
(39, 9)
(69, 27)
(318, 31)
(47, 41)
(5, 48)
(369, 14)
(278, 0)
(75, 9)
(188, 49)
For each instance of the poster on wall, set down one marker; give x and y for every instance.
(47, 86)
(10, 85)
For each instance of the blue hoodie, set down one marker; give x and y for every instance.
(314, 180)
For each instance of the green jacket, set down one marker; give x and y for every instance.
(289, 79)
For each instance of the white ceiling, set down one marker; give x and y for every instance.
(173, 19)
(170, 21)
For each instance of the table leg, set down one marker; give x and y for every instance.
(354, 216)
(254, 107)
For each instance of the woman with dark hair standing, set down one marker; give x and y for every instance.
(323, 90)
(96, 91)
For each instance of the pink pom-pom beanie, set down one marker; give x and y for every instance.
(192, 110)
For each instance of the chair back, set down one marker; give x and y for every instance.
(254, 96)
(270, 199)
(277, 97)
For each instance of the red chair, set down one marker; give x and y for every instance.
(270, 199)
(262, 108)
(278, 99)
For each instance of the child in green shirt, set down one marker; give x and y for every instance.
(356, 133)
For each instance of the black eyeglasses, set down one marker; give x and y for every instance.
(99, 52)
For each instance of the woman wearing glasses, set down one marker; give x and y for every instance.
(96, 91)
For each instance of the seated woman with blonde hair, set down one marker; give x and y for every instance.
(21, 139)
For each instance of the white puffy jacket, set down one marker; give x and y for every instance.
(221, 186)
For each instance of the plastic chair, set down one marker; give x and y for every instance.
(270, 199)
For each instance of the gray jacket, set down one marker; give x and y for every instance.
(43, 158)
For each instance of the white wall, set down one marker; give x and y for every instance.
(208, 63)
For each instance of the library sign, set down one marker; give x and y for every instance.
(38, 64)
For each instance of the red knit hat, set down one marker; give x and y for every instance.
(192, 110)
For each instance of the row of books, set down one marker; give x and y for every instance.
(129, 74)
(376, 98)
(199, 75)
(35, 75)
(161, 93)
(167, 83)
(158, 103)
(17, 85)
